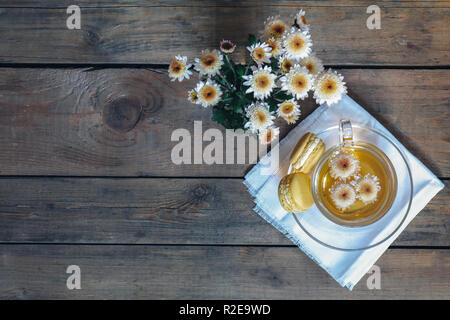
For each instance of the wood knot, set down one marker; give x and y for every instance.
(122, 114)
(92, 38)
(202, 192)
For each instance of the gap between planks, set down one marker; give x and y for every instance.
(237, 245)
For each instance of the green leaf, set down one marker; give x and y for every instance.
(240, 69)
(274, 64)
(219, 115)
(273, 104)
(238, 108)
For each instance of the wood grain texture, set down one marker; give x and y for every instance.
(139, 32)
(162, 211)
(155, 272)
(89, 122)
(222, 3)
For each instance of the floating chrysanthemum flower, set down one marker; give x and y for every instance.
(329, 87)
(297, 44)
(368, 188)
(275, 46)
(226, 46)
(209, 93)
(292, 118)
(260, 52)
(297, 82)
(261, 82)
(275, 27)
(209, 63)
(288, 108)
(343, 165)
(179, 69)
(343, 195)
(301, 20)
(286, 64)
(313, 64)
(269, 135)
(193, 96)
(259, 117)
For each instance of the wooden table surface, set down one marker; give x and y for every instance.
(101, 192)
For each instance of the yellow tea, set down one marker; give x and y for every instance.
(372, 163)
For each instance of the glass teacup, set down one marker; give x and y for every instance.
(373, 166)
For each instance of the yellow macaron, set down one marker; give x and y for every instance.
(294, 192)
(306, 153)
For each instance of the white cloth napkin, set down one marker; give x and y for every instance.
(346, 267)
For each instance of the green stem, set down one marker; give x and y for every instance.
(225, 81)
(246, 69)
(231, 67)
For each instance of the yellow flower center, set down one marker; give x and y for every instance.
(286, 65)
(303, 19)
(227, 46)
(176, 67)
(277, 29)
(299, 82)
(310, 67)
(344, 164)
(259, 54)
(208, 60)
(262, 81)
(268, 136)
(194, 96)
(344, 194)
(296, 43)
(287, 108)
(261, 117)
(209, 93)
(328, 86)
(367, 188)
(290, 118)
(273, 45)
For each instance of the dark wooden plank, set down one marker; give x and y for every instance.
(52, 121)
(416, 34)
(161, 211)
(158, 272)
(222, 3)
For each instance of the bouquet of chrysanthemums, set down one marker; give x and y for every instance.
(281, 72)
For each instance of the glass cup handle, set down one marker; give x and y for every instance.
(345, 132)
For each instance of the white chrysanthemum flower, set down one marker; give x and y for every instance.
(343, 165)
(343, 195)
(276, 47)
(298, 82)
(209, 63)
(368, 188)
(292, 118)
(259, 117)
(288, 108)
(297, 44)
(269, 135)
(313, 64)
(179, 69)
(261, 82)
(226, 46)
(286, 64)
(260, 52)
(209, 93)
(275, 27)
(300, 19)
(329, 87)
(193, 96)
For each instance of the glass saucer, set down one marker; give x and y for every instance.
(351, 238)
